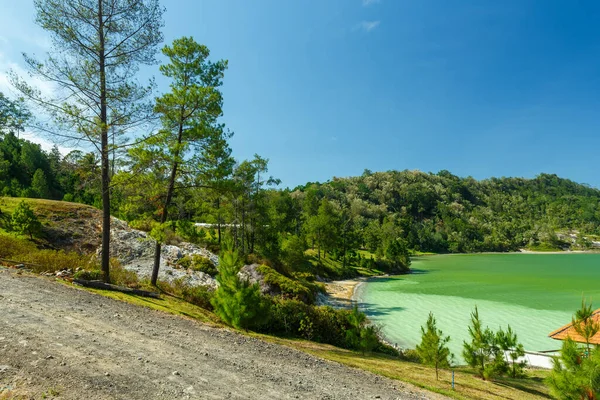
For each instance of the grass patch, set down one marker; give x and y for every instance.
(467, 386)
(167, 303)
(543, 247)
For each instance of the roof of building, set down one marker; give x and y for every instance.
(568, 331)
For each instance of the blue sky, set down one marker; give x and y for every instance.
(328, 88)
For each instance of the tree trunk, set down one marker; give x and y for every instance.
(219, 218)
(165, 211)
(243, 233)
(105, 261)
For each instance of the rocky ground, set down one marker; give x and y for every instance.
(135, 250)
(60, 342)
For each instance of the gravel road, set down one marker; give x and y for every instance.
(65, 343)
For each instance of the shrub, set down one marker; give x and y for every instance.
(197, 295)
(288, 287)
(197, 262)
(53, 260)
(122, 276)
(24, 220)
(89, 275)
(11, 246)
(360, 335)
(237, 302)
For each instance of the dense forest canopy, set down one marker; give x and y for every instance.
(383, 212)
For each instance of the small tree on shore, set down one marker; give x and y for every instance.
(482, 349)
(433, 350)
(361, 336)
(512, 349)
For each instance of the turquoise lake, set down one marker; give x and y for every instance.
(533, 293)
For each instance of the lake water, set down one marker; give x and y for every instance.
(533, 293)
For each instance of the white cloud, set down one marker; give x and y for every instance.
(6, 65)
(367, 3)
(45, 143)
(368, 26)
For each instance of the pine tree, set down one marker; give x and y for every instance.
(433, 350)
(513, 350)
(361, 336)
(189, 116)
(584, 323)
(479, 352)
(573, 376)
(236, 301)
(98, 46)
(24, 220)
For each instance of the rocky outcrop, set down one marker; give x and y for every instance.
(135, 250)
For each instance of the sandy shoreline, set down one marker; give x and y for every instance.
(341, 293)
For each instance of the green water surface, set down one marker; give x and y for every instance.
(534, 293)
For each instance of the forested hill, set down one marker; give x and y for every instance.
(444, 213)
(383, 212)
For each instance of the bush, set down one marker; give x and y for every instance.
(237, 302)
(121, 276)
(188, 231)
(197, 295)
(53, 260)
(89, 275)
(197, 262)
(291, 317)
(24, 220)
(288, 287)
(11, 247)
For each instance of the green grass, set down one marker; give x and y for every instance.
(467, 386)
(544, 247)
(167, 303)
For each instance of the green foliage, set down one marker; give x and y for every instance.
(13, 115)
(290, 288)
(197, 295)
(360, 335)
(289, 317)
(293, 249)
(197, 262)
(39, 184)
(486, 351)
(433, 350)
(575, 376)
(24, 220)
(397, 254)
(88, 275)
(509, 344)
(481, 352)
(237, 302)
(584, 323)
(576, 371)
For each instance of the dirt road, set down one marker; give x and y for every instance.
(64, 343)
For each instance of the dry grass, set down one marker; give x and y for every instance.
(467, 386)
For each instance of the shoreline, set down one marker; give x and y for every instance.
(342, 293)
(521, 251)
